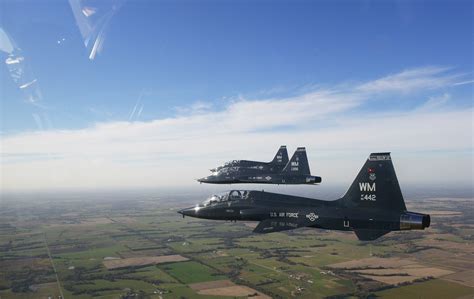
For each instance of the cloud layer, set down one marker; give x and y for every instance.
(431, 143)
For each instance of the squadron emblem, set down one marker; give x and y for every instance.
(312, 216)
(372, 175)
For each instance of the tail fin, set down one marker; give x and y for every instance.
(376, 186)
(281, 157)
(298, 163)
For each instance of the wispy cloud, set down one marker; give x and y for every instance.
(176, 150)
(464, 82)
(198, 107)
(436, 101)
(411, 80)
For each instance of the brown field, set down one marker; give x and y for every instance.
(465, 278)
(393, 280)
(211, 285)
(467, 225)
(438, 242)
(143, 261)
(225, 288)
(438, 213)
(389, 276)
(37, 263)
(373, 262)
(391, 270)
(456, 261)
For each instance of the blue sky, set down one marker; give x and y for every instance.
(329, 63)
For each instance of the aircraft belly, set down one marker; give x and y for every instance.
(348, 223)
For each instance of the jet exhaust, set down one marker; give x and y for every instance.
(412, 220)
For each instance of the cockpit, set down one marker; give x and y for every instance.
(233, 195)
(225, 171)
(226, 165)
(231, 163)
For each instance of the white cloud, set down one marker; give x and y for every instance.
(463, 82)
(175, 151)
(198, 107)
(411, 80)
(436, 101)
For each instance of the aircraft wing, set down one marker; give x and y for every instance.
(279, 224)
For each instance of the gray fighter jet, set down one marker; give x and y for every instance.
(296, 171)
(372, 207)
(276, 165)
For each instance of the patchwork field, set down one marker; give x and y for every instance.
(108, 247)
(392, 271)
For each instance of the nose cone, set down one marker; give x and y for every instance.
(192, 212)
(212, 179)
(202, 180)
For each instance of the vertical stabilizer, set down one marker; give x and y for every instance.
(281, 157)
(298, 164)
(376, 186)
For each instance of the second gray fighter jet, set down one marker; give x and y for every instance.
(276, 165)
(296, 171)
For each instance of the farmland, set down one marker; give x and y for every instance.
(139, 247)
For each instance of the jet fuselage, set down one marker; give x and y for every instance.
(278, 212)
(294, 171)
(259, 175)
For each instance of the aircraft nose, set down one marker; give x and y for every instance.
(201, 180)
(188, 212)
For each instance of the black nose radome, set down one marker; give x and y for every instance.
(188, 212)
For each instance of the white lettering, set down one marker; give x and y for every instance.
(368, 197)
(284, 214)
(367, 187)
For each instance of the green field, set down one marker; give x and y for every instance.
(191, 272)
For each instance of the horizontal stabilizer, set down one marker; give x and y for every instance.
(279, 224)
(370, 234)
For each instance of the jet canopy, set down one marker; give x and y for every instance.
(231, 163)
(225, 171)
(225, 197)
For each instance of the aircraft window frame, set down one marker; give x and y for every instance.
(232, 195)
